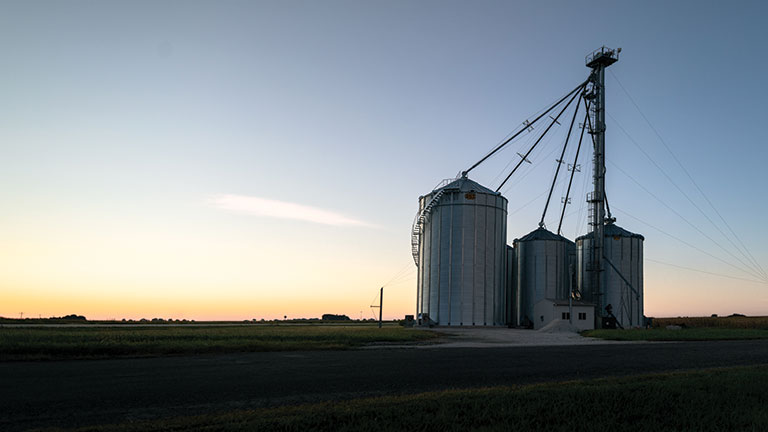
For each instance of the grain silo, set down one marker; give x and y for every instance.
(459, 245)
(622, 282)
(544, 269)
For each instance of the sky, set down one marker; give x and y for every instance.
(217, 160)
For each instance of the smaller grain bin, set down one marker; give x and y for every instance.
(545, 265)
(622, 274)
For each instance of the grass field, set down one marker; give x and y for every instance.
(686, 334)
(693, 328)
(38, 343)
(710, 400)
(733, 322)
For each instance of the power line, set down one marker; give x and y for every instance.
(681, 240)
(407, 276)
(750, 266)
(532, 200)
(706, 272)
(746, 253)
(400, 273)
(400, 282)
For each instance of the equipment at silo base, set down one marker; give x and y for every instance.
(459, 244)
(408, 321)
(544, 268)
(424, 321)
(609, 321)
(622, 277)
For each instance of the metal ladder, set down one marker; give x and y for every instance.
(418, 224)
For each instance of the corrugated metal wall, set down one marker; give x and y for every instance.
(542, 270)
(626, 253)
(462, 259)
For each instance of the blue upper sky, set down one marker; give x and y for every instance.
(257, 158)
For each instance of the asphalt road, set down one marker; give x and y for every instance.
(86, 392)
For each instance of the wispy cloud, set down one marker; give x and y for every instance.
(263, 207)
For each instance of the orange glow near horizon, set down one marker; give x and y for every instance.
(36, 302)
(119, 277)
(133, 267)
(665, 296)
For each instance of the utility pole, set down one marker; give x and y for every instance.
(381, 304)
(598, 61)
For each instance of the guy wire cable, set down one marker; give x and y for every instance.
(537, 141)
(573, 170)
(525, 127)
(560, 161)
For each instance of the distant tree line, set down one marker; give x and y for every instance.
(334, 317)
(72, 317)
(65, 318)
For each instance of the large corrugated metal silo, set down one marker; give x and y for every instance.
(623, 273)
(544, 269)
(461, 253)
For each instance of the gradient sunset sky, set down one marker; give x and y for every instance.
(255, 159)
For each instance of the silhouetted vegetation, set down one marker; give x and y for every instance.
(732, 399)
(735, 321)
(79, 319)
(334, 317)
(66, 319)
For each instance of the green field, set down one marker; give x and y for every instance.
(733, 322)
(711, 400)
(693, 328)
(39, 343)
(686, 334)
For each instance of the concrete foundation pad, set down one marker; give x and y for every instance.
(495, 337)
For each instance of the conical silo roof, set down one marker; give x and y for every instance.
(542, 234)
(613, 230)
(464, 184)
